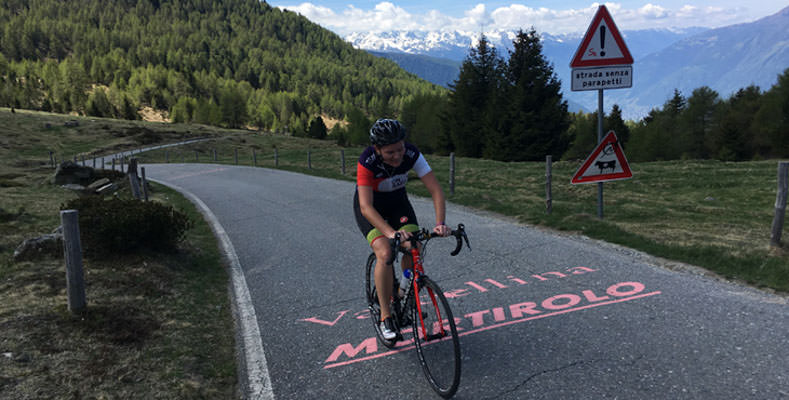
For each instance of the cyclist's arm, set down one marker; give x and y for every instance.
(439, 202)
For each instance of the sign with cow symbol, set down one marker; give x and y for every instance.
(606, 163)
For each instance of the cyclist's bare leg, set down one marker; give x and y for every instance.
(383, 276)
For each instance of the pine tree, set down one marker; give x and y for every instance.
(358, 128)
(697, 122)
(772, 120)
(614, 122)
(233, 107)
(98, 105)
(676, 105)
(467, 118)
(732, 140)
(317, 129)
(422, 118)
(535, 115)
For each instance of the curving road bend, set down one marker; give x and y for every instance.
(543, 316)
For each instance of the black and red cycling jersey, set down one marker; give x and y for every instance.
(388, 181)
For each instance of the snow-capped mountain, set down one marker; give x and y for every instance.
(456, 44)
(443, 44)
(420, 52)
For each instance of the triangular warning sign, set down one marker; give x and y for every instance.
(606, 163)
(602, 45)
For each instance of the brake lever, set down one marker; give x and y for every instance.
(465, 237)
(460, 235)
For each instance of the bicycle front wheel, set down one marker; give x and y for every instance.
(436, 339)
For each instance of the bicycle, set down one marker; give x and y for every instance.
(435, 335)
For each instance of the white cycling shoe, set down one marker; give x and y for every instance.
(388, 329)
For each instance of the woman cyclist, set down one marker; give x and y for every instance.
(381, 204)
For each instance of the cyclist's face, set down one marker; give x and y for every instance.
(392, 154)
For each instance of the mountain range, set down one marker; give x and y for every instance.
(725, 59)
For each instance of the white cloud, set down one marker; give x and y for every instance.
(387, 16)
(313, 12)
(477, 17)
(651, 11)
(543, 19)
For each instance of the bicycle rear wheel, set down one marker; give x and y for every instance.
(436, 339)
(372, 301)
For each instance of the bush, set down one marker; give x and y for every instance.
(123, 226)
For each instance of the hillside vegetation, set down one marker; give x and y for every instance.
(230, 63)
(149, 313)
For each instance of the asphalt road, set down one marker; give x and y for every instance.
(543, 316)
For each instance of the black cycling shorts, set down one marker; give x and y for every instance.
(398, 213)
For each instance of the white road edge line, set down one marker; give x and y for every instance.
(258, 379)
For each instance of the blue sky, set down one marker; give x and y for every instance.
(556, 17)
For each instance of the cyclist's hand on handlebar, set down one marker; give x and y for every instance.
(404, 235)
(442, 230)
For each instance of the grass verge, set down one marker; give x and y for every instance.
(158, 325)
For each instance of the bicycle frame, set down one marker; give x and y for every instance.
(419, 270)
(421, 238)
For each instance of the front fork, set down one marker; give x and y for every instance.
(418, 272)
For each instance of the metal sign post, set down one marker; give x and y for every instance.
(602, 61)
(599, 139)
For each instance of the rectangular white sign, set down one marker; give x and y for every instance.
(595, 78)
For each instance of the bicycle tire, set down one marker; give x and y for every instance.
(439, 352)
(372, 302)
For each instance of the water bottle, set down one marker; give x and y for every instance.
(405, 281)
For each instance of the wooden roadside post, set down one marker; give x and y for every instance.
(452, 174)
(254, 158)
(780, 204)
(276, 157)
(342, 161)
(548, 181)
(144, 184)
(134, 181)
(167, 156)
(309, 158)
(236, 156)
(197, 156)
(72, 250)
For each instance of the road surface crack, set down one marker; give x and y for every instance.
(574, 364)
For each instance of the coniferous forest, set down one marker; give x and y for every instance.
(231, 63)
(243, 63)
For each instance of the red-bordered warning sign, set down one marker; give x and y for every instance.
(602, 45)
(606, 163)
